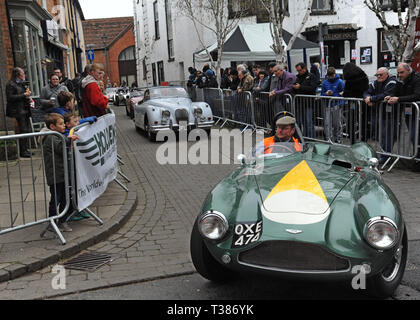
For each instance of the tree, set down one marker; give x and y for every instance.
(401, 36)
(277, 11)
(212, 15)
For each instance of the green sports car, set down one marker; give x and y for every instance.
(320, 213)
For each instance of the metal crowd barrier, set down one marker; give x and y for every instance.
(398, 131)
(266, 107)
(332, 119)
(28, 195)
(392, 130)
(239, 108)
(214, 97)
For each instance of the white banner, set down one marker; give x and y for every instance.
(95, 156)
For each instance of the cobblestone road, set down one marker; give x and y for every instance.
(154, 244)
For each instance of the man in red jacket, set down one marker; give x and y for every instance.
(94, 102)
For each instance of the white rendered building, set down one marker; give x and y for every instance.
(166, 40)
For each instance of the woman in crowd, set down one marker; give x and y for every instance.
(49, 93)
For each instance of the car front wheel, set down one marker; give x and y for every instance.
(204, 262)
(384, 284)
(150, 134)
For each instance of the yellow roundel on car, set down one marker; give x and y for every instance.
(298, 198)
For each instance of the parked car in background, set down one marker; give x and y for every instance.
(319, 212)
(134, 97)
(120, 96)
(110, 93)
(164, 108)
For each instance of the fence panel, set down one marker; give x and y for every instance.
(27, 193)
(266, 107)
(392, 130)
(398, 130)
(214, 97)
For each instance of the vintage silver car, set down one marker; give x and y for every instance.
(164, 108)
(121, 96)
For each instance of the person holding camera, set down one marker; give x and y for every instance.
(18, 107)
(49, 93)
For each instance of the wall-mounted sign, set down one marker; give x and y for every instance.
(366, 55)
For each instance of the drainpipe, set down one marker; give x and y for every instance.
(9, 22)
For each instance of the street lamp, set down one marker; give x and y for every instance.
(104, 38)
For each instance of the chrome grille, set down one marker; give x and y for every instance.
(294, 256)
(181, 115)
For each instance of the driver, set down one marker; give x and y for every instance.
(286, 128)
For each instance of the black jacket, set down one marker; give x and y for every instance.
(379, 90)
(357, 82)
(409, 90)
(308, 84)
(17, 102)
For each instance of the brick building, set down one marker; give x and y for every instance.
(113, 42)
(38, 35)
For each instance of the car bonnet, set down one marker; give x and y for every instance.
(300, 192)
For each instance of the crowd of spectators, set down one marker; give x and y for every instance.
(58, 101)
(270, 86)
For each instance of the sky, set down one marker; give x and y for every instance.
(95, 9)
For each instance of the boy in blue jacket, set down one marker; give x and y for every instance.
(333, 86)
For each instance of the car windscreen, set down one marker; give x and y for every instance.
(277, 149)
(136, 94)
(158, 93)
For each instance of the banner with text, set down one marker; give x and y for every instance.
(95, 156)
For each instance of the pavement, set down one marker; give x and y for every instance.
(148, 229)
(24, 251)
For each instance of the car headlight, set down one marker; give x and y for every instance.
(198, 112)
(166, 113)
(213, 225)
(381, 233)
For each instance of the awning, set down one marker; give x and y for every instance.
(252, 42)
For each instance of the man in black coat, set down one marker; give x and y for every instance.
(306, 84)
(407, 90)
(378, 90)
(63, 80)
(18, 100)
(357, 83)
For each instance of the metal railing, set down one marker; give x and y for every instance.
(266, 107)
(29, 196)
(392, 130)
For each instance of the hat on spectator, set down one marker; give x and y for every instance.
(285, 121)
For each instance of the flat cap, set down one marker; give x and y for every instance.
(285, 121)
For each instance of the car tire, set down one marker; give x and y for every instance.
(204, 262)
(384, 284)
(116, 102)
(150, 135)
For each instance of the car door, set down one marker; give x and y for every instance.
(141, 109)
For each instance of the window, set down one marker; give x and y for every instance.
(128, 54)
(28, 54)
(154, 74)
(385, 44)
(246, 8)
(144, 69)
(322, 7)
(156, 18)
(169, 29)
(161, 74)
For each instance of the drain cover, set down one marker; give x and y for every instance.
(89, 261)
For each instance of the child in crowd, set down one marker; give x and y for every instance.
(54, 167)
(71, 120)
(65, 101)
